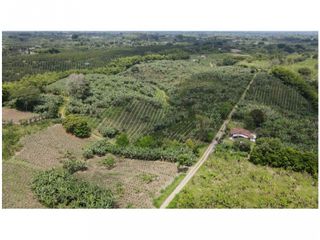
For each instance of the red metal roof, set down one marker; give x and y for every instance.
(241, 131)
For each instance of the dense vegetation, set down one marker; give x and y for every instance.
(77, 126)
(182, 155)
(162, 96)
(59, 189)
(269, 151)
(294, 80)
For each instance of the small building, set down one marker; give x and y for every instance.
(242, 133)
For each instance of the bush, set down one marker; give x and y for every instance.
(122, 140)
(76, 125)
(229, 61)
(242, 145)
(184, 160)
(304, 71)
(258, 117)
(109, 132)
(147, 177)
(73, 165)
(270, 151)
(146, 141)
(109, 162)
(59, 189)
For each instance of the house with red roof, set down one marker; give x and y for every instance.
(242, 133)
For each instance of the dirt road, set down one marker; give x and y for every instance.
(209, 150)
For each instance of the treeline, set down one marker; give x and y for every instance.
(290, 78)
(16, 67)
(272, 152)
(181, 155)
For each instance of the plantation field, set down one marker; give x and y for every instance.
(229, 180)
(134, 182)
(126, 114)
(272, 92)
(137, 118)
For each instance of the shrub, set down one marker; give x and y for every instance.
(73, 165)
(270, 151)
(109, 132)
(109, 162)
(76, 125)
(146, 141)
(258, 117)
(184, 160)
(147, 177)
(304, 71)
(88, 153)
(229, 61)
(122, 140)
(59, 189)
(242, 145)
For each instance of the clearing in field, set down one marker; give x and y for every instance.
(9, 114)
(46, 148)
(134, 182)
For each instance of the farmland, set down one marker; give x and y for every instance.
(123, 119)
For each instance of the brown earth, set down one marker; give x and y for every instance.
(9, 114)
(129, 179)
(46, 148)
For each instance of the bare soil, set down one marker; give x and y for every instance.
(46, 148)
(9, 114)
(134, 182)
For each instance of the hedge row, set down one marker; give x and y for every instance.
(182, 155)
(271, 152)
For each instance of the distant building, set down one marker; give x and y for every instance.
(242, 133)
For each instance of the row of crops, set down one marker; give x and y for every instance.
(136, 118)
(270, 91)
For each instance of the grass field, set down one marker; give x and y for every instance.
(229, 180)
(16, 181)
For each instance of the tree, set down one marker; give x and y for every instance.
(304, 71)
(78, 86)
(146, 141)
(26, 97)
(242, 145)
(258, 117)
(74, 36)
(76, 125)
(109, 132)
(122, 140)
